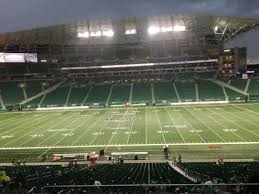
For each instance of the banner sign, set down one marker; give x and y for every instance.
(18, 58)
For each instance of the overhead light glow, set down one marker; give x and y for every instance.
(108, 33)
(95, 34)
(83, 34)
(153, 30)
(227, 50)
(179, 28)
(166, 29)
(216, 28)
(131, 31)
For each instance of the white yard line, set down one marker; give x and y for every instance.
(226, 128)
(193, 128)
(13, 118)
(162, 132)
(116, 129)
(204, 123)
(247, 114)
(102, 128)
(131, 145)
(88, 128)
(74, 130)
(226, 120)
(245, 109)
(25, 129)
(131, 126)
(239, 125)
(146, 134)
(177, 128)
(24, 123)
(56, 124)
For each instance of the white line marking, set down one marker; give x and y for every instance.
(177, 127)
(204, 123)
(162, 132)
(193, 128)
(131, 145)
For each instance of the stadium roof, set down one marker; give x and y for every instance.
(131, 29)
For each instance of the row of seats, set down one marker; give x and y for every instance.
(230, 172)
(12, 93)
(106, 174)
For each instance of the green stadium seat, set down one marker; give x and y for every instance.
(11, 92)
(209, 91)
(120, 94)
(164, 91)
(99, 94)
(186, 90)
(141, 93)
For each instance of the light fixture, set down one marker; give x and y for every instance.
(96, 34)
(131, 31)
(179, 28)
(83, 34)
(216, 28)
(153, 30)
(166, 29)
(108, 33)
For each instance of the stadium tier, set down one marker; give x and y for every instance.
(254, 87)
(98, 94)
(11, 92)
(164, 92)
(239, 83)
(141, 93)
(56, 98)
(209, 91)
(186, 90)
(77, 95)
(120, 94)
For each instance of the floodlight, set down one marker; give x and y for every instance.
(108, 33)
(153, 30)
(227, 50)
(166, 29)
(216, 28)
(131, 31)
(97, 33)
(83, 34)
(179, 28)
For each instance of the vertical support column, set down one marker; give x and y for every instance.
(131, 93)
(109, 96)
(197, 92)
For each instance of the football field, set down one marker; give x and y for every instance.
(195, 131)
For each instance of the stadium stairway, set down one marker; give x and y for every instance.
(68, 95)
(197, 92)
(120, 94)
(176, 92)
(43, 93)
(86, 96)
(183, 172)
(109, 96)
(131, 93)
(2, 103)
(221, 83)
(247, 85)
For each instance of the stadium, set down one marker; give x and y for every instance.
(131, 105)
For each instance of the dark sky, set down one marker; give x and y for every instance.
(22, 14)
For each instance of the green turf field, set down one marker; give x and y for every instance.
(187, 129)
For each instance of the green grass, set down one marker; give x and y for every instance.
(189, 130)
